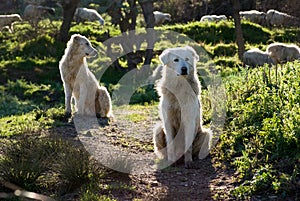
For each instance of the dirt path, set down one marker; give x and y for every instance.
(125, 145)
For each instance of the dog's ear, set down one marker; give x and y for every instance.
(164, 57)
(195, 55)
(76, 38)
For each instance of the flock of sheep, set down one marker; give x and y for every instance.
(276, 53)
(272, 18)
(35, 13)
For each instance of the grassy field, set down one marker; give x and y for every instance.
(259, 142)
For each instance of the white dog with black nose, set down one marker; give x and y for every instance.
(181, 131)
(79, 82)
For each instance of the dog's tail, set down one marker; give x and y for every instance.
(203, 142)
(160, 144)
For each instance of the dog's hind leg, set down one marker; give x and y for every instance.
(202, 142)
(159, 139)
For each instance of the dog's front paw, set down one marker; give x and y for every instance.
(189, 164)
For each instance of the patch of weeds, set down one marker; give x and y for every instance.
(24, 161)
(262, 130)
(44, 164)
(73, 168)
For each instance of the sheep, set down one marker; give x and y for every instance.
(254, 16)
(213, 18)
(160, 17)
(282, 53)
(255, 57)
(87, 14)
(34, 13)
(279, 19)
(7, 21)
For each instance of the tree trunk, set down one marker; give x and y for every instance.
(147, 7)
(238, 29)
(69, 7)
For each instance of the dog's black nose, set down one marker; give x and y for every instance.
(183, 70)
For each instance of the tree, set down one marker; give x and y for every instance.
(238, 29)
(124, 14)
(69, 7)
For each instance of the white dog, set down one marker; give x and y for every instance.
(180, 108)
(79, 81)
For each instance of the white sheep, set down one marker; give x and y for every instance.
(213, 18)
(279, 19)
(255, 57)
(281, 52)
(87, 14)
(7, 21)
(34, 13)
(254, 16)
(161, 17)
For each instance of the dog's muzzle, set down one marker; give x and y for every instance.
(92, 54)
(184, 70)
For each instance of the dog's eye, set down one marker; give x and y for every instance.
(87, 44)
(176, 60)
(186, 59)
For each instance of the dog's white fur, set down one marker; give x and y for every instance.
(180, 108)
(79, 81)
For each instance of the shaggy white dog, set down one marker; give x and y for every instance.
(180, 109)
(79, 81)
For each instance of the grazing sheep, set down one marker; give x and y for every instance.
(80, 82)
(254, 16)
(87, 14)
(279, 19)
(282, 53)
(160, 17)
(255, 57)
(34, 13)
(7, 21)
(213, 18)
